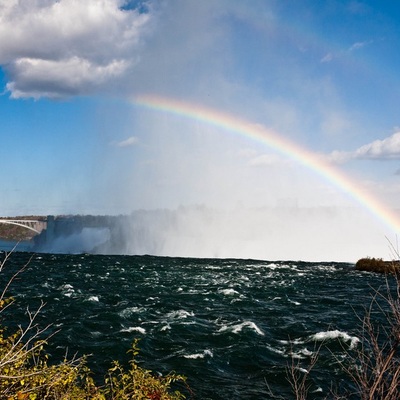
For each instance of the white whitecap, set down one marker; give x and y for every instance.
(275, 350)
(228, 292)
(303, 353)
(179, 314)
(335, 334)
(67, 286)
(93, 298)
(306, 352)
(291, 342)
(237, 328)
(127, 312)
(165, 328)
(303, 370)
(317, 390)
(199, 355)
(135, 329)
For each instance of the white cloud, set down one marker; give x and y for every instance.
(385, 149)
(359, 45)
(328, 57)
(59, 48)
(388, 148)
(338, 157)
(58, 78)
(131, 141)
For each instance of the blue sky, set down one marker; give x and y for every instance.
(322, 74)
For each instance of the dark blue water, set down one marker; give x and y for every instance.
(230, 326)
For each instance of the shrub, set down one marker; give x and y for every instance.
(138, 383)
(377, 265)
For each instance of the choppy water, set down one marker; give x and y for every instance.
(230, 326)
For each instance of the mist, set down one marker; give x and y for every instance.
(268, 233)
(85, 240)
(192, 190)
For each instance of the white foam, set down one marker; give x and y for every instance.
(180, 314)
(295, 341)
(328, 268)
(67, 286)
(317, 390)
(303, 353)
(93, 298)
(165, 328)
(336, 334)
(275, 350)
(199, 355)
(67, 289)
(237, 328)
(135, 329)
(306, 352)
(127, 312)
(228, 292)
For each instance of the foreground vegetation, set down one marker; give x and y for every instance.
(25, 372)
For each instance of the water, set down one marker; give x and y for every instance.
(231, 326)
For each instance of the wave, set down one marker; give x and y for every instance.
(179, 314)
(336, 334)
(228, 292)
(134, 329)
(194, 356)
(129, 311)
(237, 328)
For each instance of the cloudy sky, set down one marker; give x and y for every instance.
(75, 139)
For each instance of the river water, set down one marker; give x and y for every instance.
(231, 326)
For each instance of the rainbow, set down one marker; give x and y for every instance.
(278, 143)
